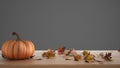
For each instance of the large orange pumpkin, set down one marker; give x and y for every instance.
(17, 49)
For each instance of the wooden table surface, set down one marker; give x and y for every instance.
(60, 62)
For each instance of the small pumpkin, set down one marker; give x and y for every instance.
(17, 49)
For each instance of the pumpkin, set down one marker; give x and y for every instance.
(17, 49)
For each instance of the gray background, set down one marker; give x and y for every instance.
(80, 24)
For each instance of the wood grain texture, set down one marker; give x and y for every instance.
(60, 62)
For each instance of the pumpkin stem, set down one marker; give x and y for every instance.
(17, 35)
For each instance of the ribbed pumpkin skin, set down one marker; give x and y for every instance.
(17, 49)
(13, 49)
